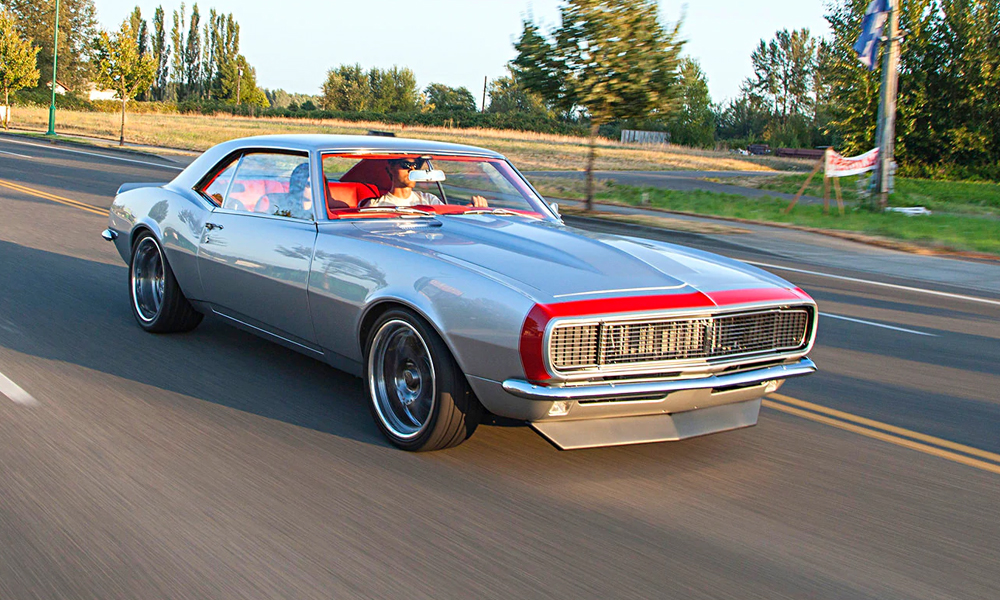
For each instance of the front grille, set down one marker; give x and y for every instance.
(705, 337)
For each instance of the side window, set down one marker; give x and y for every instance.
(219, 185)
(273, 184)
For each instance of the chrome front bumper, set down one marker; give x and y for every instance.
(624, 391)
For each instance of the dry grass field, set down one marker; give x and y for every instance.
(529, 151)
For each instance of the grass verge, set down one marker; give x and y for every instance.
(938, 232)
(960, 197)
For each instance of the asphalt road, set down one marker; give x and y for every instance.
(216, 465)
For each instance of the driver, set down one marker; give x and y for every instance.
(402, 193)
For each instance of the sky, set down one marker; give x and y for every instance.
(293, 43)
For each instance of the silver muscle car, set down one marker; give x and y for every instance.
(439, 275)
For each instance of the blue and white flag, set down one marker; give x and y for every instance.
(871, 32)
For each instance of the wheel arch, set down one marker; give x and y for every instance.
(381, 306)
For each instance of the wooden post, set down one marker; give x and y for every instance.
(840, 198)
(826, 194)
(809, 179)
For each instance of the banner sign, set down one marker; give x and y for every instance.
(843, 166)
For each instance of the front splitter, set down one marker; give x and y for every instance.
(621, 431)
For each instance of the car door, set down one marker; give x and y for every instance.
(256, 249)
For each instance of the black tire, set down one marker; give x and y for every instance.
(157, 302)
(397, 369)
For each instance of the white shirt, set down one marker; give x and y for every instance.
(415, 198)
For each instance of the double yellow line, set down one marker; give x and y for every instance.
(47, 196)
(960, 453)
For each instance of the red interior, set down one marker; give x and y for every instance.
(341, 194)
(255, 189)
(372, 171)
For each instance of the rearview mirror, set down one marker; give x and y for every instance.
(434, 176)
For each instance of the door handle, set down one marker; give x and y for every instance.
(211, 226)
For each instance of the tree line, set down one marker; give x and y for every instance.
(195, 57)
(608, 65)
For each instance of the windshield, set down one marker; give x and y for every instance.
(391, 184)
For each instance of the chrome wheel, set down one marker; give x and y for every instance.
(401, 379)
(147, 279)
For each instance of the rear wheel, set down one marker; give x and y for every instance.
(158, 304)
(419, 397)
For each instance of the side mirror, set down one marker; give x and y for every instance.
(555, 208)
(434, 176)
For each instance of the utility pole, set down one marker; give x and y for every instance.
(55, 61)
(887, 106)
(485, 78)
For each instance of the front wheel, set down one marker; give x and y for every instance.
(158, 304)
(420, 399)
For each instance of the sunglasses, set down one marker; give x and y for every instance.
(411, 165)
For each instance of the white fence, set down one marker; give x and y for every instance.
(632, 136)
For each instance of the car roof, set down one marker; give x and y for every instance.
(363, 143)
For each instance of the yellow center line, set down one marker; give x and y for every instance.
(889, 428)
(886, 437)
(59, 199)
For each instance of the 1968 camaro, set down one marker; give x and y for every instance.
(438, 274)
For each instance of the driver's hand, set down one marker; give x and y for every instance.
(479, 201)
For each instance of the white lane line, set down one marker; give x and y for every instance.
(15, 393)
(16, 154)
(873, 324)
(877, 283)
(109, 157)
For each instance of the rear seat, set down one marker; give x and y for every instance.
(348, 194)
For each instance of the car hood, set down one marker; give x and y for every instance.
(553, 262)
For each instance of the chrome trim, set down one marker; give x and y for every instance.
(109, 235)
(266, 332)
(609, 391)
(654, 367)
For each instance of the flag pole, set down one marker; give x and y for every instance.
(887, 104)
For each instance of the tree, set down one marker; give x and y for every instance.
(743, 119)
(239, 84)
(141, 29)
(211, 41)
(351, 88)
(693, 123)
(612, 58)
(161, 54)
(192, 54)
(394, 90)
(177, 42)
(347, 88)
(77, 28)
(17, 62)
(445, 98)
(507, 95)
(783, 72)
(121, 67)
